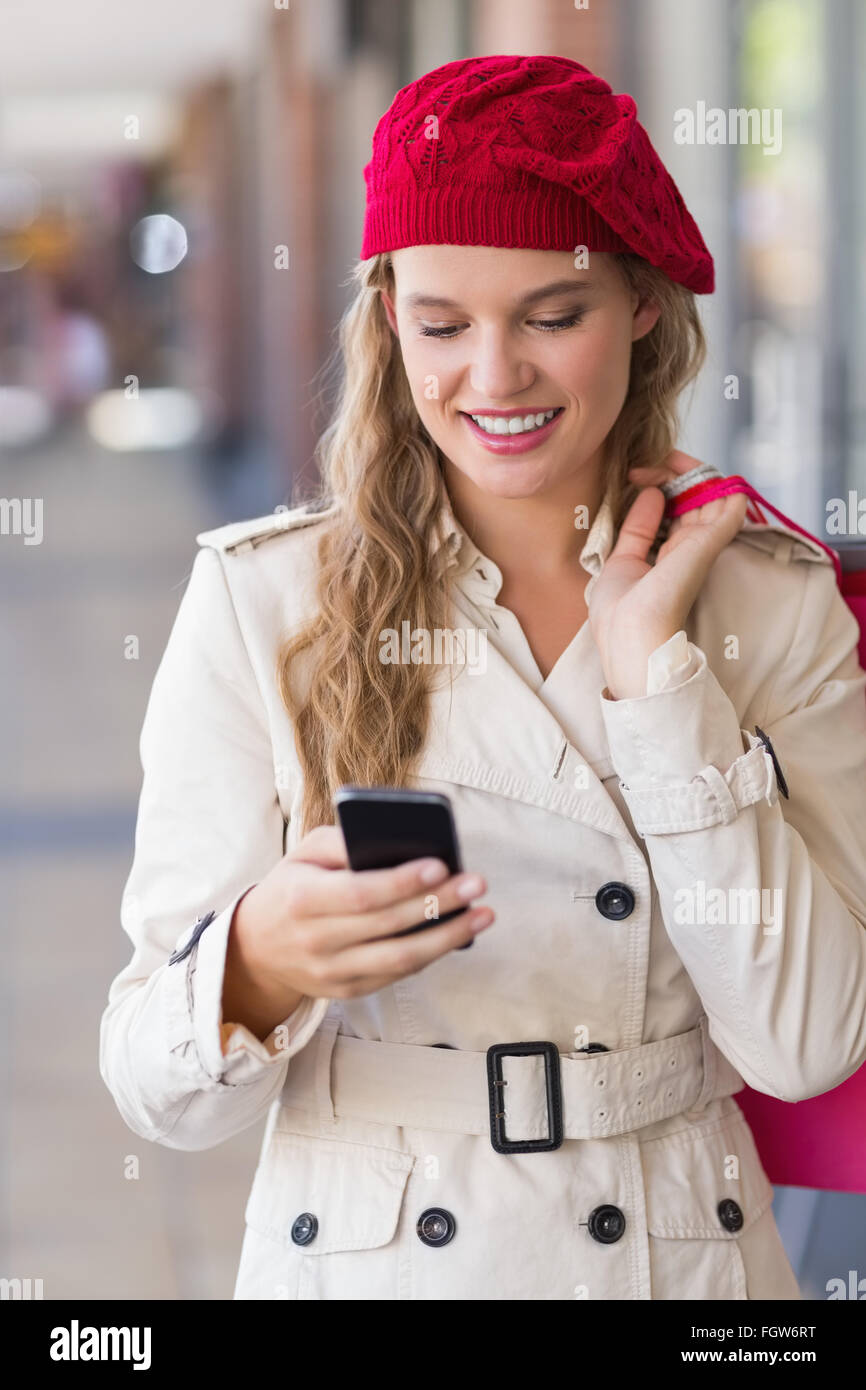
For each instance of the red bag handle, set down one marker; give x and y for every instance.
(708, 491)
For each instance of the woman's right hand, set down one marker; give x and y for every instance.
(314, 927)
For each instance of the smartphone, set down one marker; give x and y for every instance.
(385, 826)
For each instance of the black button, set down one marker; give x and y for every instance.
(304, 1228)
(614, 900)
(451, 1045)
(730, 1214)
(606, 1224)
(780, 776)
(593, 1047)
(436, 1226)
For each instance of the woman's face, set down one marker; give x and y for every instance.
(537, 351)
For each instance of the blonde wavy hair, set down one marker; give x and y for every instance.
(359, 720)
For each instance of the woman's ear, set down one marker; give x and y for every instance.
(645, 318)
(390, 310)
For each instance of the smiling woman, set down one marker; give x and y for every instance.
(499, 388)
(404, 425)
(526, 353)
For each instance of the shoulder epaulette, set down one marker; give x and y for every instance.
(238, 536)
(781, 541)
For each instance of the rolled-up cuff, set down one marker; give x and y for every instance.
(666, 738)
(286, 1039)
(671, 663)
(230, 1052)
(679, 752)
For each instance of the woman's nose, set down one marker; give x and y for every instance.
(498, 369)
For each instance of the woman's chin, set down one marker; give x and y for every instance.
(513, 477)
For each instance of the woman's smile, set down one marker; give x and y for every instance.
(512, 431)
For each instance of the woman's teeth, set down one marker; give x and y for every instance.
(512, 424)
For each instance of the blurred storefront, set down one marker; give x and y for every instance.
(262, 169)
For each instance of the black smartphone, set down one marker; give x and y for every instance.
(385, 826)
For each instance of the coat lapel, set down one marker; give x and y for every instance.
(489, 729)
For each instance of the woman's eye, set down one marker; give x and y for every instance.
(546, 326)
(448, 331)
(551, 325)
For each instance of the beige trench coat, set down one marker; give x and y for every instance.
(595, 823)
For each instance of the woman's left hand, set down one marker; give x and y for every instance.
(636, 606)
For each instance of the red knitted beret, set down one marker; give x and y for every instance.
(532, 152)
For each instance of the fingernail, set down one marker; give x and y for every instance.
(434, 871)
(480, 918)
(470, 888)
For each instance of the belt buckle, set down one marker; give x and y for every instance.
(495, 1083)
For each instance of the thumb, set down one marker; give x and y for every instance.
(641, 524)
(323, 845)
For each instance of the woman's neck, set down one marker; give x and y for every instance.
(535, 536)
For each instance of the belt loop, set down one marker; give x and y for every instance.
(708, 1066)
(327, 1035)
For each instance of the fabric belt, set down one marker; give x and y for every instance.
(603, 1093)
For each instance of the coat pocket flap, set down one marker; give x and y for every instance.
(691, 1174)
(354, 1191)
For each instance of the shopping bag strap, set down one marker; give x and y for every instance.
(712, 488)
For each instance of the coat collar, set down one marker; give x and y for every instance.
(465, 558)
(492, 731)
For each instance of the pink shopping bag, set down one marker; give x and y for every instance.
(820, 1142)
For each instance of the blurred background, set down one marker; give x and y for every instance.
(181, 199)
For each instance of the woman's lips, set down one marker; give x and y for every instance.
(513, 443)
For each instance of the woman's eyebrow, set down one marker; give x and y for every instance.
(430, 301)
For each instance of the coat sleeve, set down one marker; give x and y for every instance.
(764, 898)
(209, 827)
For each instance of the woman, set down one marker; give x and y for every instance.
(524, 321)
